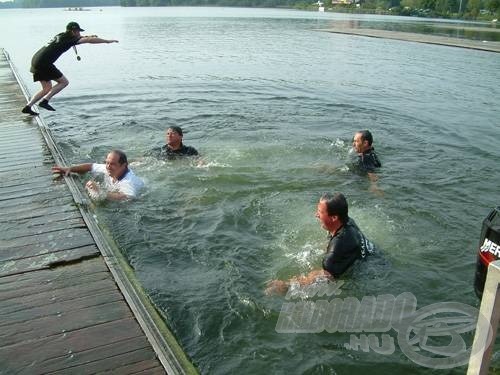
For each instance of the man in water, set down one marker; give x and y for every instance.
(367, 159)
(346, 244)
(120, 183)
(174, 148)
(44, 70)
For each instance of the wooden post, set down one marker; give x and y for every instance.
(479, 361)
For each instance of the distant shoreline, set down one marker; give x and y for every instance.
(420, 38)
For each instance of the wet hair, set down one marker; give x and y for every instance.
(366, 136)
(122, 158)
(176, 129)
(336, 204)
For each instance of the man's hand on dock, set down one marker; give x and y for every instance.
(61, 170)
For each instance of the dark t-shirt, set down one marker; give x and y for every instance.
(49, 53)
(166, 153)
(368, 161)
(345, 247)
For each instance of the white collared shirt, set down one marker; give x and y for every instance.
(130, 184)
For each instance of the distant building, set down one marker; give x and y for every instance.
(343, 2)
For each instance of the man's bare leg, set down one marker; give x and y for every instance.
(46, 87)
(61, 84)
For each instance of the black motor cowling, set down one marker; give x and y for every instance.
(489, 248)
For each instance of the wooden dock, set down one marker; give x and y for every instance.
(64, 307)
(419, 38)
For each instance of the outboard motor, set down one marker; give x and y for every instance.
(489, 248)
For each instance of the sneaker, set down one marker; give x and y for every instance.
(45, 104)
(27, 110)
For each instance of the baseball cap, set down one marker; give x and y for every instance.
(73, 26)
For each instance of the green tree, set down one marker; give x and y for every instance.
(447, 6)
(413, 4)
(473, 8)
(493, 5)
(428, 4)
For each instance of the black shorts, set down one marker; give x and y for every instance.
(46, 73)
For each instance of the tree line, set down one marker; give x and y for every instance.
(467, 9)
(57, 3)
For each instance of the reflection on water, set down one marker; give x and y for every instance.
(272, 106)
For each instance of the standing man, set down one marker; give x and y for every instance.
(120, 183)
(346, 243)
(174, 148)
(367, 158)
(44, 70)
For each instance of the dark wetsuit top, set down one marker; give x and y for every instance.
(347, 245)
(43, 60)
(166, 153)
(368, 161)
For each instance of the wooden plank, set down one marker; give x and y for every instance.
(20, 174)
(147, 367)
(13, 267)
(53, 194)
(52, 214)
(59, 274)
(13, 159)
(43, 282)
(62, 238)
(67, 349)
(28, 303)
(25, 193)
(41, 220)
(34, 283)
(112, 361)
(24, 137)
(22, 213)
(32, 142)
(29, 185)
(19, 182)
(8, 153)
(15, 132)
(46, 176)
(48, 227)
(419, 38)
(26, 313)
(8, 157)
(21, 166)
(63, 321)
(16, 252)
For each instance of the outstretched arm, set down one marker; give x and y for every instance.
(94, 39)
(80, 169)
(281, 287)
(374, 184)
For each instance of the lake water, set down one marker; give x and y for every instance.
(272, 105)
